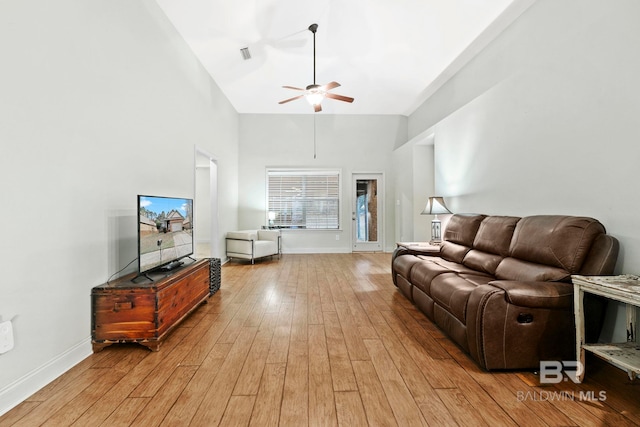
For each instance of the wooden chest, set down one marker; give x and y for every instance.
(145, 312)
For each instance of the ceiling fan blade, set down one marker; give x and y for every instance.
(290, 99)
(331, 85)
(339, 97)
(317, 108)
(291, 87)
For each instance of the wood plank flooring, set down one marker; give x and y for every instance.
(315, 340)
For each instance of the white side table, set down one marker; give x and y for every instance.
(623, 288)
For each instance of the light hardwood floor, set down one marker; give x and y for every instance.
(315, 340)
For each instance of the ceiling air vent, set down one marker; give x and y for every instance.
(245, 53)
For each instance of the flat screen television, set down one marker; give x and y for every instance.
(165, 232)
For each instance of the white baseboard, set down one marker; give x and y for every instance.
(318, 251)
(15, 393)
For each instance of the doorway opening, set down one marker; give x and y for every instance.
(206, 206)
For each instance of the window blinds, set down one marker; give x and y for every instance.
(308, 199)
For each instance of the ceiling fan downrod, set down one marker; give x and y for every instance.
(313, 28)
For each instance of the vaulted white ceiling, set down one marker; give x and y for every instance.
(389, 55)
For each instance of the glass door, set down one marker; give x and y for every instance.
(367, 212)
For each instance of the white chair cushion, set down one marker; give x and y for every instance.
(265, 248)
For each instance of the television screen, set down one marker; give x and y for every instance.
(165, 232)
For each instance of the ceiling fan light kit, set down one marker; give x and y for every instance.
(315, 93)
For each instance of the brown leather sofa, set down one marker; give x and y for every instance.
(500, 286)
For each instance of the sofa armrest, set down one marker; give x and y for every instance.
(427, 250)
(550, 295)
(515, 325)
(241, 244)
(242, 235)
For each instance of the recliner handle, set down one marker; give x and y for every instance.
(525, 318)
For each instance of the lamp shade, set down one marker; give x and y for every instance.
(435, 206)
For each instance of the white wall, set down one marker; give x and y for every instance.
(423, 188)
(352, 143)
(413, 177)
(403, 188)
(100, 101)
(545, 120)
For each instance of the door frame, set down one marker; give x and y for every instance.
(212, 199)
(379, 245)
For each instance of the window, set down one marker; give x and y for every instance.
(307, 199)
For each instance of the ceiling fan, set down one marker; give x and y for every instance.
(316, 93)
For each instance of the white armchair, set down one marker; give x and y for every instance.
(253, 244)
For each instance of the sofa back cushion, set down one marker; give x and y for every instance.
(555, 240)
(482, 261)
(453, 251)
(462, 229)
(495, 233)
(458, 236)
(491, 243)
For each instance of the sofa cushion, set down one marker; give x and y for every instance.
(453, 252)
(456, 267)
(424, 272)
(451, 291)
(264, 248)
(491, 243)
(402, 265)
(516, 269)
(482, 261)
(495, 233)
(459, 234)
(555, 240)
(462, 229)
(268, 235)
(429, 267)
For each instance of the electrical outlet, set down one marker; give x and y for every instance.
(6, 336)
(337, 237)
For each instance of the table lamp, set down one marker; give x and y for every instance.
(435, 206)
